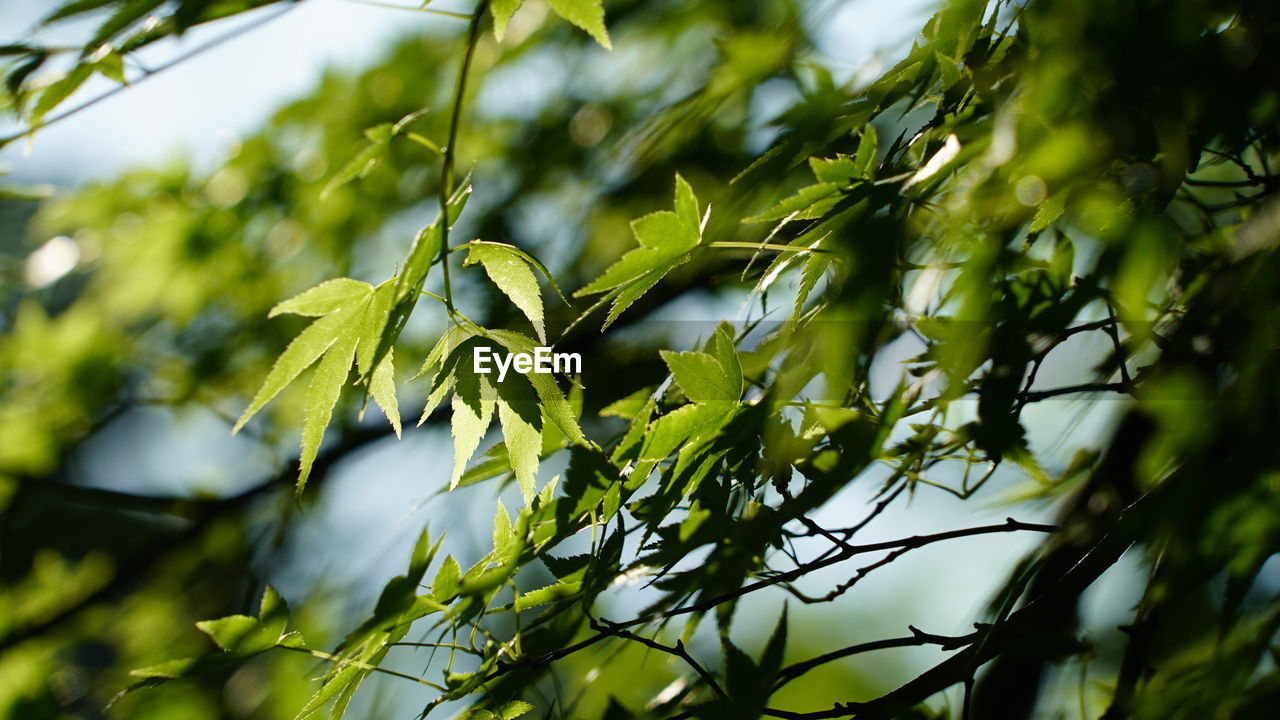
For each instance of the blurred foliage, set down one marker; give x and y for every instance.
(1028, 176)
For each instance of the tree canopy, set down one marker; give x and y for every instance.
(901, 265)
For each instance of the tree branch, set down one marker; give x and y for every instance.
(917, 638)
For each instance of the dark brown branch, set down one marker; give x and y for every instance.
(917, 638)
(995, 640)
(1038, 395)
(857, 577)
(678, 650)
(1255, 182)
(903, 544)
(910, 543)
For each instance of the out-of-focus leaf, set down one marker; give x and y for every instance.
(586, 14)
(502, 11)
(238, 633)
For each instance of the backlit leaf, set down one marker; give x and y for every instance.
(382, 386)
(239, 633)
(473, 401)
(701, 377)
(329, 296)
(586, 14)
(322, 395)
(514, 278)
(521, 421)
(502, 11)
(666, 239)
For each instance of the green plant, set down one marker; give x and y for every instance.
(1029, 175)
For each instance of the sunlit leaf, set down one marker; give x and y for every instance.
(514, 278)
(666, 239)
(586, 14)
(502, 11)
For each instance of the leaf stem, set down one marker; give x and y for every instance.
(393, 6)
(450, 149)
(764, 246)
(454, 313)
(362, 665)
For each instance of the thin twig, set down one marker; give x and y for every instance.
(393, 6)
(362, 665)
(915, 541)
(450, 149)
(678, 650)
(917, 638)
(1038, 395)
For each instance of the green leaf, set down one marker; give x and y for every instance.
(521, 421)
(382, 386)
(686, 425)
(627, 296)
(111, 66)
(666, 239)
(342, 681)
(327, 297)
(513, 276)
(59, 91)
(548, 594)
(434, 365)
(424, 551)
(840, 169)
(663, 238)
(239, 633)
(552, 400)
(339, 302)
(629, 406)
(352, 319)
(322, 395)
(865, 159)
(447, 581)
(426, 247)
(503, 536)
(723, 348)
(686, 204)
(808, 203)
(368, 324)
(364, 161)
(586, 14)
(521, 400)
(125, 16)
(473, 401)
(304, 350)
(189, 667)
(775, 649)
(815, 266)
(273, 613)
(514, 709)
(75, 7)
(502, 11)
(702, 378)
